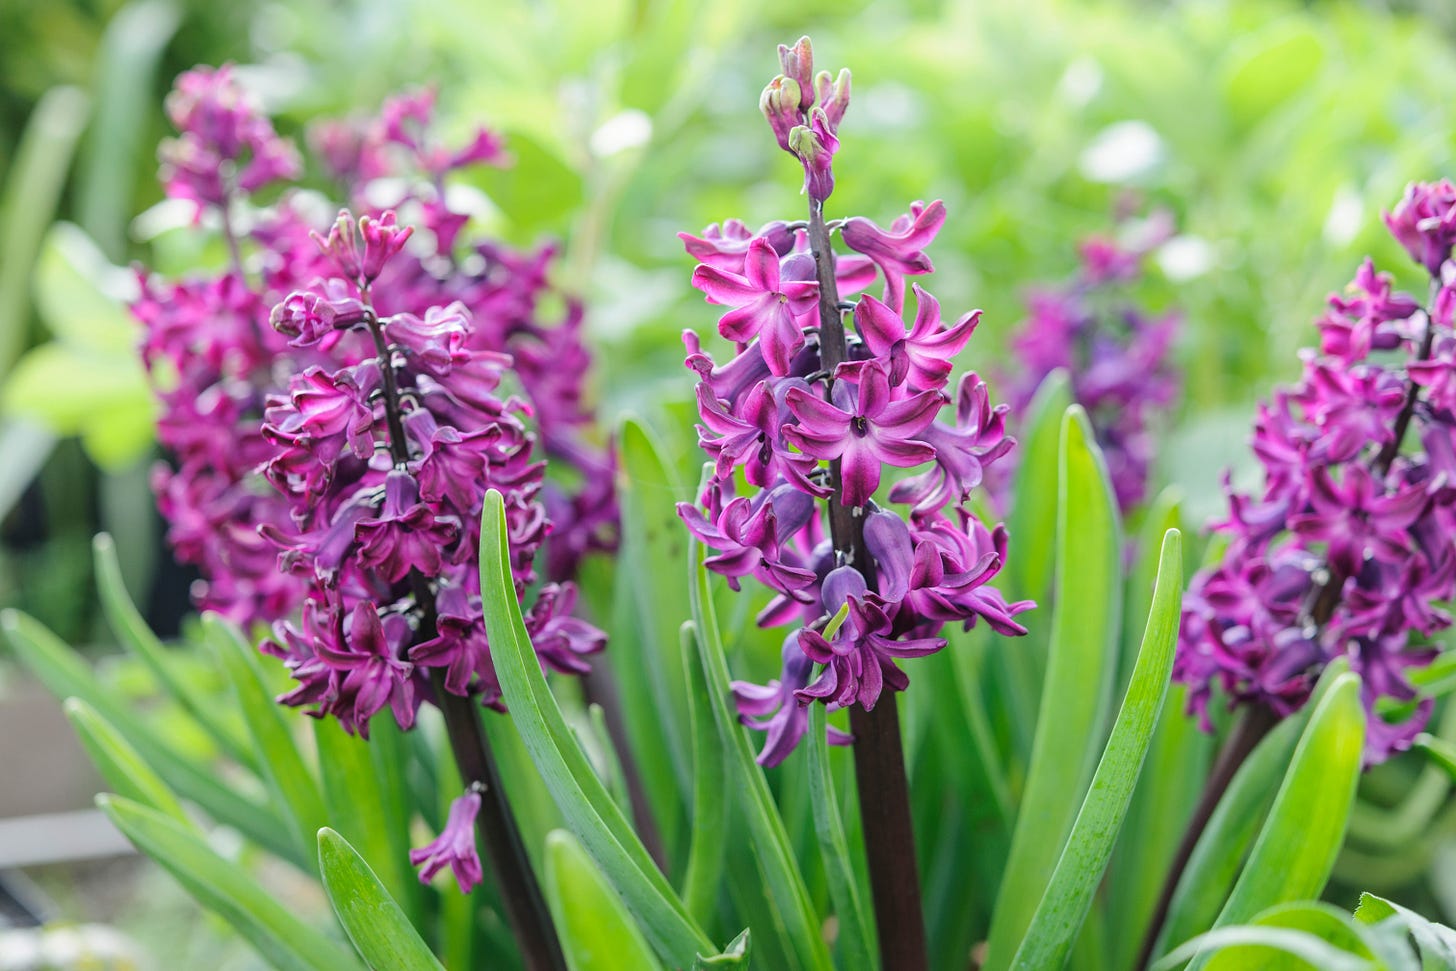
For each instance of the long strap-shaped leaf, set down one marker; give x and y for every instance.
(597, 932)
(120, 765)
(857, 947)
(282, 767)
(132, 630)
(1064, 906)
(64, 673)
(378, 929)
(703, 878)
(784, 884)
(1075, 699)
(590, 812)
(1297, 847)
(224, 888)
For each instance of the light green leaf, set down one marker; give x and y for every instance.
(735, 955)
(65, 675)
(293, 786)
(132, 630)
(783, 882)
(224, 888)
(856, 942)
(119, 764)
(590, 812)
(1296, 849)
(1318, 954)
(1068, 897)
(32, 190)
(1081, 664)
(369, 809)
(1437, 942)
(378, 928)
(703, 879)
(597, 932)
(1220, 852)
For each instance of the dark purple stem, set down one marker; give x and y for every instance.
(879, 754)
(520, 893)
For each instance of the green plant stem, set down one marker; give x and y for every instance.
(879, 754)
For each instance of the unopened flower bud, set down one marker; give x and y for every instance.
(307, 317)
(798, 64)
(833, 95)
(780, 105)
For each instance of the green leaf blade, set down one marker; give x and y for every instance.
(1068, 898)
(377, 927)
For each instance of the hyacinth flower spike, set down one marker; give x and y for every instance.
(810, 413)
(1347, 549)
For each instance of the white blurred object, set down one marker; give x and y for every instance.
(75, 947)
(624, 130)
(1346, 216)
(1080, 82)
(1185, 257)
(1122, 152)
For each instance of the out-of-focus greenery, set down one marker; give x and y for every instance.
(1274, 132)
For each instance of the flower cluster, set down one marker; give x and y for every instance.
(1347, 549)
(385, 463)
(1115, 353)
(804, 412)
(215, 360)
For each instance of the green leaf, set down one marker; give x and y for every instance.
(597, 933)
(124, 89)
(119, 764)
(590, 812)
(1068, 897)
(703, 879)
(106, 400)
(1080, 667)
(368, 809)
(224, 888)
(856, 943)
(1314, 951)
(1437, 942)
(1296, 849)
(1440, 752)
(783, 883)
(735, 955)
(126, 621)
(1033, 519)
(1329, 924)
(1220, 852)
(32, 190)
(65, 675)
(282, 767)
(654, 541)
(1269, 67)
(378, 928)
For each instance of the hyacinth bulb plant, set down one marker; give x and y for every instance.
(1345, 550)
(214, 359)
(331, 405)
(1115, 353)
(802, 424)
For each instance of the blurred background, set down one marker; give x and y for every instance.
(1274, 132)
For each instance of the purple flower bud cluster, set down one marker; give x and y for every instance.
(804, 111)
(803, 423)
(1115, 353)
(215, 359)
(384, 463)
(1347, 549)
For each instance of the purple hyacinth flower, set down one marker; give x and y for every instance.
(922, 359)
(765, 306)
(407, 534)
(454, 847)
(865, 431)
(1424, 222)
